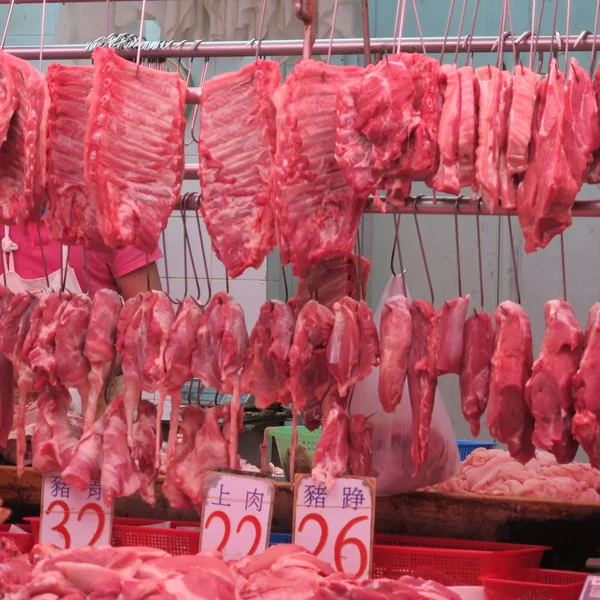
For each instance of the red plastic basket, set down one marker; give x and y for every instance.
(450, 562)
(23, 541)
(534, 584)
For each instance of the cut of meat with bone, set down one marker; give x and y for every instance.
(396, 332)
(317, 212)
(134, 158)
(23, 154)
(53, 439)
(144, 435)
(467, 128)
(508, 417)
(309, 371)
(9, 98)
(235, 170)
(508, 187)
(333, 450)
(586, 384)
(267, 365)
(549, 392)
(446, 178)
(520, 120)
(360, 435)
(70, 216)
(100, 346)
(87, 458)
(478, 348)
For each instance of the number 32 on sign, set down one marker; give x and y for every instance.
(337, 525)
(71, 518)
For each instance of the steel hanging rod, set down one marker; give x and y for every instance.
(202, 49)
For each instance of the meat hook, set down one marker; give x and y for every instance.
(8, 17)
(563, 265)
(107, 18)
(362, 291)
(399, 24)
(419, 30)
(42, 34)
(260, 28)
(364, 7)
(188, 248)
(532, 38)
(139, 48)
(166, 262)
(306, 11)
(593, 58)
(514, 259)
(415, 211)
(479, 257)
(501, 37)
(193, 137)
(204, 259)
(460, 28)
(537, 36)
(285, 283)
(333, 20)
(397, 247)
(43, 255)
(456, 237)
(567, 65)
(469, 57)
(447, 31)
(512, 34)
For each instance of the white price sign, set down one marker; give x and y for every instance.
(72, 518)
(236, 519)
(337, 525)
(591, 589)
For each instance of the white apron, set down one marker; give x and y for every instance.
(17, 284)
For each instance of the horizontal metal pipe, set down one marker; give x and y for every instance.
(294, 47)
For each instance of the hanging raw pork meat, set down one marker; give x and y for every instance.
(508, 417)
(396, 337)
(235, 168)
(267, 365)
(375, 116)
(508, 186)
(317, 212)
(548, 190)
(331, 279)
(145, 433)
(422, 381)
(549, 392)
(100, 346)
(593, 172)
(220, 354)
(134, 149)
(586, 384)
(23, 153)
(467, 128)
(353, 347)
(9, 97)
(360, 435)
(478, 347)
(181, 344)
(446, 178)
(333, 450)
(520, 120)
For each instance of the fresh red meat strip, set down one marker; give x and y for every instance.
(375, 116)
(145, 433)
(508, 186)
(100, 346)
(134, 150)
(235, 169)
(446, 177)
(192, 418)
(396, 332)
(360, 435)
(181, 344)
(267, 365)
(593, 173)
(70, 215)
(23, 154)
(586, 384)
(9, 97)
(520, 120)
(549, 391)
(353, 347)
(421, 382)
(72, 366)
(478, 348)
(317, 212)
(333, 450)
(488, 146)
(508, 417)
(467, 128)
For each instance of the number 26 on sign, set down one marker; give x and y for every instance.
(336, 525)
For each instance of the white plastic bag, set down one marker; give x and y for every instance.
(392, 433)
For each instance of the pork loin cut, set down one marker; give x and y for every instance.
(23, 154)
(317, 212)
(508, 186)
(9, 98)
(134, 150)
(237, 144)
(467, 128)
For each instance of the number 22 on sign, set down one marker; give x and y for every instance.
(336, 525)
(72, 518)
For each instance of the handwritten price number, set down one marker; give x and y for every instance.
(224, 518)
(340, 541)
(61, 528)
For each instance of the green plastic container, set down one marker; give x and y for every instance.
(307, 444)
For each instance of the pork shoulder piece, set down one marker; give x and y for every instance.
(375, 116)
(309, 372)
(395, 341)
(237, 145)
(267, 365)
(508, 417)
(446, 178)
(508, 186)
(586, 383)
(333, 450)
(23, 154)
(317, 212)
(487, 154)
(70, 215)
(144, 435)
(549, 391)
(467, 128)
(134, 159)
(9, 98)
(360, 435)
(474, 379)
(520, 120)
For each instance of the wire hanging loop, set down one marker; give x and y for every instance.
(415, 211)
(193, 137)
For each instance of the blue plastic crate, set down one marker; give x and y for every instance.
(465, 447)
(280, 538)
